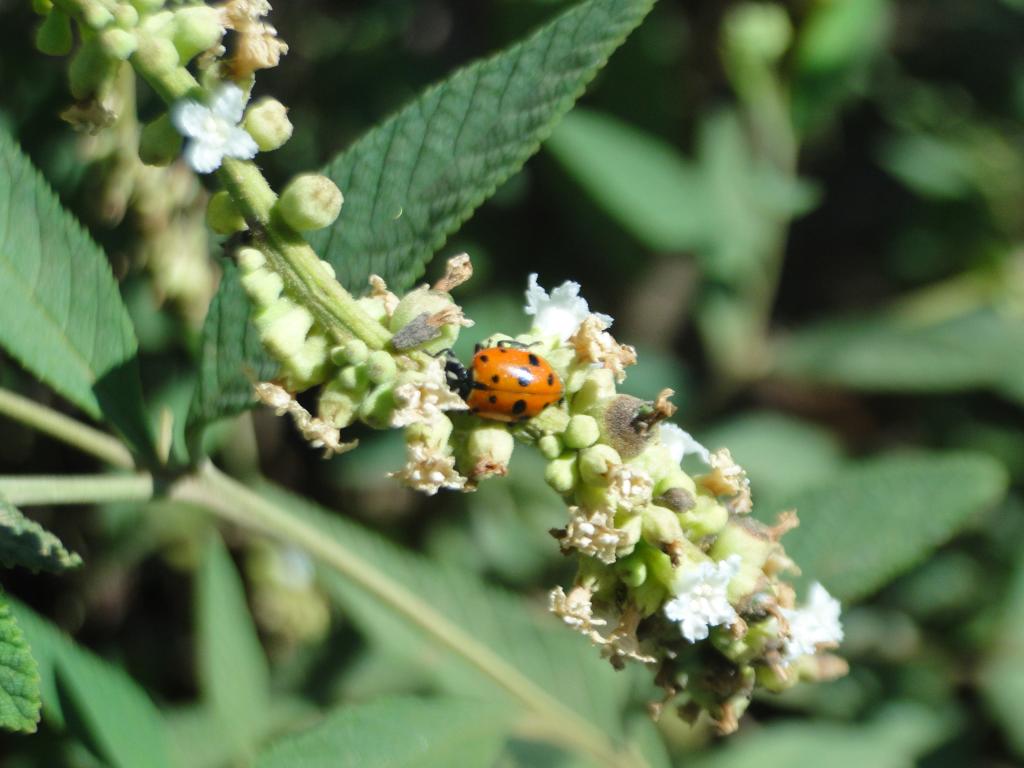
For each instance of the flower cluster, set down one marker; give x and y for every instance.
(673, 572)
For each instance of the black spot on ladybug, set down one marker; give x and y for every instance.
(495, 378)
(519, 406)
(483, 358)
(534, 360)
(524, 381)
(493, 398)
(551, 379)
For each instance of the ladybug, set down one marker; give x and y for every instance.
(506, 382)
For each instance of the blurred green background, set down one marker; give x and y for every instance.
(809, 219)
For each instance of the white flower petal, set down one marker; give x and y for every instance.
(229, 103)
(701, 600)
(189, 117)
(240, 145)
(203, 156)
(560, 313)
(815, 624)
(681, 443)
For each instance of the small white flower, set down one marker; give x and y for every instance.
(593, 534)
(681, 443)
(632, 486)
(423, 398)
(213, 131)
(700, 600)
(429, 469)
(814, 625)
(561, 312)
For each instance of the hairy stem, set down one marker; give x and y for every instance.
(105, 447)
(237, 503)
(27, 491)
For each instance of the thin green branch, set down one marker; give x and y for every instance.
(105, 447)
(34, 490)
(237, 503)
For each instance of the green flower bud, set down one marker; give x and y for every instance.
(675, 478)
(651, 594)
(561, 473)
(552, 420)
(381, 367)
(223, 214)
(598, 386)
(353, 351)
(307, 366)
(422, 320)
(595, 463)
(581, 432)
(284, 326)
(550, 446)
(250, 259)
(93, 14)
(118, 44)
(374, 308)
(706, 518)
(434, 433)
(354, 378)
(378, 405)
(90, 68)
(632, 569)
(42, 7)
(263, 287)
(740, 537)
(660, 525)
(488, 450)
(267, 122)
(157, 55)
(197, 28)
(757, 30)
(125, 16)
(159, 142)
(146, 7)
(310, 201)
(336, 406)
(54, 36)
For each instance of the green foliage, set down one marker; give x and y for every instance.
(541, 652)
(1002, 675)
(233, 672)
(413, 180)
(402, 731)
(95, 700)
(25, 542)
(61, 315)
(867, 524)
(231, 356)
(895, 738)
(19, 676)
(893, 353)
(640, 180)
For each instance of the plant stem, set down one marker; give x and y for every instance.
(34, 490)
(71, 431)
(237, 503)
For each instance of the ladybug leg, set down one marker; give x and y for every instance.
(513, 344)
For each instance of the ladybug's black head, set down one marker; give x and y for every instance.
(460, 380)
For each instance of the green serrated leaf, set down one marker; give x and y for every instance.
(62, 316)
(233, 673)
(412, 181)
(554, 662)
(231, 356)
(402, 731)
(25, 542)
(94, 700)
(897, 354)
(19, 676)
(641, 180)
(867, 524)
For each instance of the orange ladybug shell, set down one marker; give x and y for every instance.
(511, 384)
